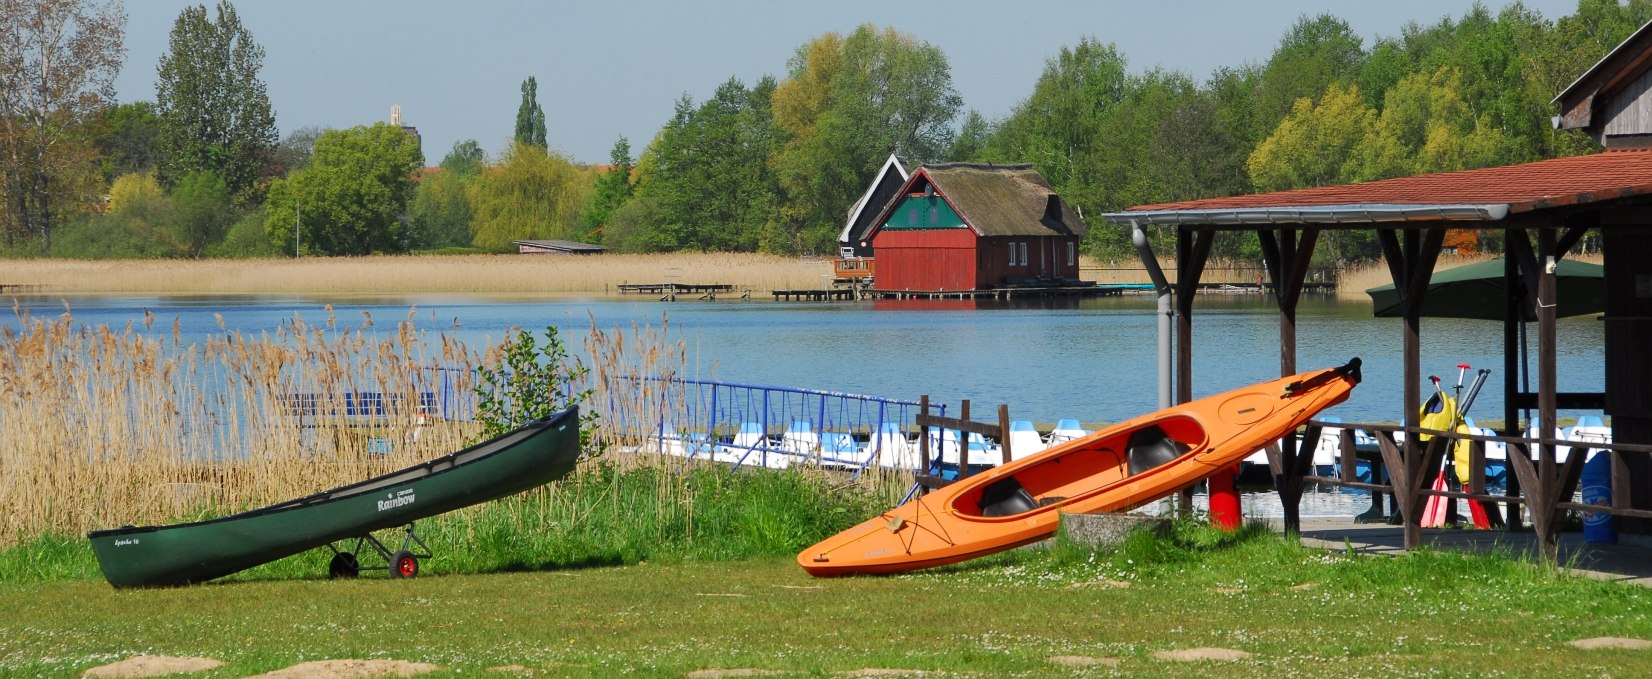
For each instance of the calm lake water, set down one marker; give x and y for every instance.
(1090, 359)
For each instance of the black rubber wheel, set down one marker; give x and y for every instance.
(343, 565)
(403, 564)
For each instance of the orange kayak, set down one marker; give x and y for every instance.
(1118, 468)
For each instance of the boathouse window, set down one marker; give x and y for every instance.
(1012, 253)
(1023, 253)
(912, 216)
(934, 216)
(1072, 254)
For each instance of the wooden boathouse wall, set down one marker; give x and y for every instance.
(1628, 358)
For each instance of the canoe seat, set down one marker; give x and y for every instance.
(1006, 497)
(1151, 447)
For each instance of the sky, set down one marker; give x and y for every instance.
(609, 68)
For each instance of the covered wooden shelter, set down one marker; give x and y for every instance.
(1541, 210)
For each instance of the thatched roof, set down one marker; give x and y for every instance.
(1000, 200)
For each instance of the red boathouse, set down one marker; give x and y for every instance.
(963, 226)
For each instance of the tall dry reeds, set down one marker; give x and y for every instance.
(102, 427)
(471, 274)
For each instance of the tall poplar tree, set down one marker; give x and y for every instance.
(530, 118)
(215, 115)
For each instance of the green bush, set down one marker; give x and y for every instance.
(246, 239)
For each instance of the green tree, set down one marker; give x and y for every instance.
(530, 118)
(846, 104)
(1316, 144)
(529, 194)
(1314, 54)
(710, 180)
(58, 61)
(295, 150)
(202, 204)
(465, 159)
(351, 198)
(1059, 127)
(1426, 126)
(127, 137)
(971, 139)
(214, 111)
(613, 188)
(440, 213)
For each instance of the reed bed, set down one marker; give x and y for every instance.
(104, 427)
(501, 274)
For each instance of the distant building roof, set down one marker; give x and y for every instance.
(1583, 101)
(1493, 192)
(557, 246)
(885, 185)
(997, 200)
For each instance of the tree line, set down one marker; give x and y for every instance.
(772, 166)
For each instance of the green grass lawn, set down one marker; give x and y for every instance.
(1300, 612)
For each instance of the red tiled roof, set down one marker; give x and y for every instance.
(1525, 187)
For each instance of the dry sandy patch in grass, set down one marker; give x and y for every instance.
(1611, 642)
(151, 666)
(1200, 654)
(396, 274)
(350, 669)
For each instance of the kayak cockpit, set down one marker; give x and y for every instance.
(1088, 465)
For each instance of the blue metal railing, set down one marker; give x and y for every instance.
(763, 425)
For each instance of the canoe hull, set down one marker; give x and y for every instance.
(180, 554)
(1118, 468)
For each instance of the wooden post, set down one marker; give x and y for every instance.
(1548, 536)
(1192, 249)
(1411, 264)
(1288, 261)
(1004, 434)
(923, 437)
(963, 443)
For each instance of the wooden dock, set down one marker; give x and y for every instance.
(829, 295)
(668, 291)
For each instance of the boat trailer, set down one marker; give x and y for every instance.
(402, 563)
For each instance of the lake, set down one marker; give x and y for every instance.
(1090, 359)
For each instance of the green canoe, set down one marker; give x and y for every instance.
(179, 554)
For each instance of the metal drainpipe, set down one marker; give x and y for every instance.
(1145, 250)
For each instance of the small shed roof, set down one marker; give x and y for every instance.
(575, 247)
(1486, 194)
(996, 200)
(1620, 67)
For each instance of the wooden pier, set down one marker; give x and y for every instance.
(830, 295)
(668, 291)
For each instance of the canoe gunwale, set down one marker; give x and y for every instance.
(500, 444)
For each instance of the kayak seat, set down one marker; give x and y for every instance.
(1151, 447)
(1006, 497)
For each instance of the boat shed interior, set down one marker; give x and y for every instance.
(1540, 210)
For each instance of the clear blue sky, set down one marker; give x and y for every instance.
(611, 68)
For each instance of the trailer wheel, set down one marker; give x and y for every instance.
(343, 565)
(403, 564)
